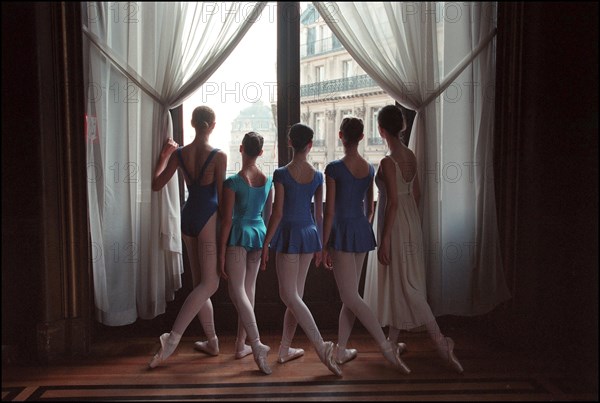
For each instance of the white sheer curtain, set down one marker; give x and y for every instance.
(407, 48)
(142, 59)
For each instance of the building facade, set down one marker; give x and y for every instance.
(334, 86)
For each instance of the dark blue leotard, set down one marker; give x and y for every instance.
(351, 230)
(297, 231)
(201, 203)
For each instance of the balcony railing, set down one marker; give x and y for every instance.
(331, 87)
(314, 48)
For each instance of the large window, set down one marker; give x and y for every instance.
(457, 134)
(243, 93)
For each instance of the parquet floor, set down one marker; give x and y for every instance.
(117, 371)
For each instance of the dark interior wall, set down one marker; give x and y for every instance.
(22, 237)
(556, 287)
(45, 265)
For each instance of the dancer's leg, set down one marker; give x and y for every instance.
(393, 333)
(209, 280)
(346, 320)
(288, 269)
(444, 345)
(235, 266)
(252, 267)
(195, 247)
(286, 352)
(205, 258)
(198, 296)
(344, 271)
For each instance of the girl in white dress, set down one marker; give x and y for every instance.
(395, 288)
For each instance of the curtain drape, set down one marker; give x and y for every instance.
(438, 59)
(142, 59)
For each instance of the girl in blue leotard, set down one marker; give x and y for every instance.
(246, 195)
(295, 237)
(204, 171)
(348, 237)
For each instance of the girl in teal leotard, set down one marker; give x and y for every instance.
(246, 195)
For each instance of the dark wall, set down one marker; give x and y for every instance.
(22, 127)
(556, 285)
(45, 265)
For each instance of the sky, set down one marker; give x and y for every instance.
(248, 74)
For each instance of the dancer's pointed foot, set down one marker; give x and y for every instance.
(326, 355)
(210, 347)
(260, 357)
(289, 354)
(402, 347)
(392, 354)
(246, 350)
(447, 353)
(343, 355)
(166, 349)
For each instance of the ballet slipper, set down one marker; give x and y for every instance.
(290, 354)
(402, 348)
(326, 357)
(447, 355)
(343, 355)
(210, 347)
(246, 350)
(166, 349)
(260, 357)
(392, 354)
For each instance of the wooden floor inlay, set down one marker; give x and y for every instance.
(117, 370)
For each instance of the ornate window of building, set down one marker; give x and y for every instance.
(347, 70)
(319, 128)
(374, 137)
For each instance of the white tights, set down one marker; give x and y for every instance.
(292, 270)
(202, 253)
(433, 330)
(242, 268)
(347, 268)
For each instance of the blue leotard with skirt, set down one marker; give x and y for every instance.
(351, 230)
(297, 232)
(248, 227)
(202, 201)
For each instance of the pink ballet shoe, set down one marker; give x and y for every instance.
(447, 355)
(291, 354)
(210, 347)
(246, 350)
(402, 348)
(326, 357)
(260, 357)
(166, 349)
(344, 355)
(392, 353)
